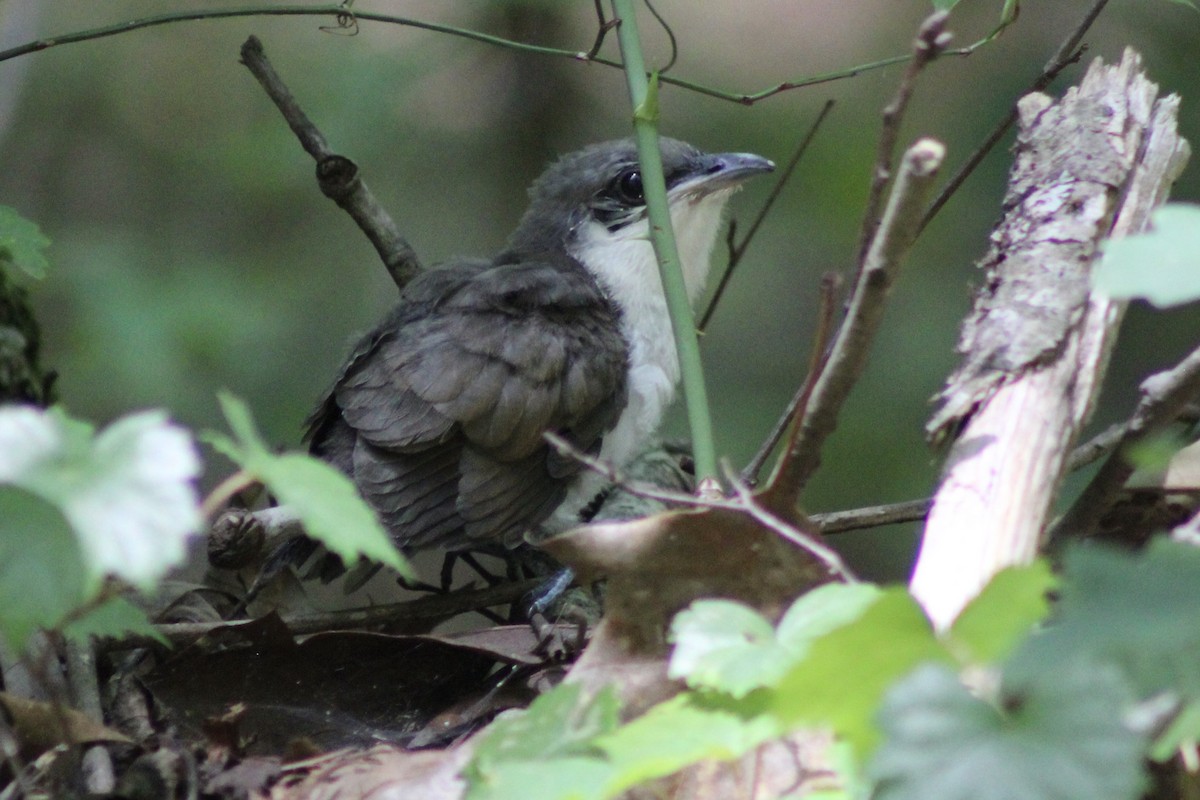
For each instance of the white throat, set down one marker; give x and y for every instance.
(624, 263)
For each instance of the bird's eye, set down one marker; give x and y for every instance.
(628, 187)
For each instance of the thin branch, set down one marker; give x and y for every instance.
(224, 491)
(349, 20)
(930, 42)
(337, 175)
(1068, 53)
(432, 607)
(670, 37)
(638, 488)
(916, 510)
(1164, 397)
(738, 250)
(830, 286)
(872, 516)
(813, 546)
(848, 356)
(602, 28)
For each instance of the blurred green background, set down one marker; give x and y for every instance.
(192, 250)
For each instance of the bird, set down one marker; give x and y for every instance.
(439, 412)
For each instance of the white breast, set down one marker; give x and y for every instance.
(624, 263)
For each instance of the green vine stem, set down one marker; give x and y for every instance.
(348, 19)
(643, 94)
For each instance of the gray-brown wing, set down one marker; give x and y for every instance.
(439, 414)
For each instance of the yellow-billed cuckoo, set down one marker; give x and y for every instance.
(439, 412)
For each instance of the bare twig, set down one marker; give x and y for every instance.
(872, 516)
(1069, 52)
(810, 544)
(848, 356)
(1164, 397)
(930, 42)
(915, 510)
(738, 250)
(337, 175)
(603, 26)
(619, 478)
(831, 283)
(431, 607)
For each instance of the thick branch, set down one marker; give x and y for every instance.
(848, 356)
(337, 175)
(1037, 343)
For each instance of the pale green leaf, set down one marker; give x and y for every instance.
(42, 574)
(115, 618)
(730, 647)
(325, 500)
(545, 752)
(842, 679)
(22, 243)
(682, 731)
(128, 492)
(1161, 265)
(1004, 613)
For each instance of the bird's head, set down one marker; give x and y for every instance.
(590, 204)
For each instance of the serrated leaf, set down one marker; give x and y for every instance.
(677, 733)
(42, 574)
(22, 243)
(1064, 739)
(824, 610)
(729, 647)
(558, 723)
(1014, 600)
(574, 778)
(1138, 612)
(128, 492)
(720, 644)
(842, 679)
(546, 751)
(1161, 265)
(115, 618)
(325, 500)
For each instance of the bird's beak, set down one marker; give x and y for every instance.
(718, 171)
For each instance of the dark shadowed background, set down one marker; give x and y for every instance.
(192, 250)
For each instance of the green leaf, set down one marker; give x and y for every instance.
(846, 672)
(1161, 265)
(128, 492)
(42, 574)
(22, 243)
(546, 751)
(682, 731)
(1064, 739)
(115, 618)
(1008, 14)
(647, 110)
(1138, 612)
(325, 500)
(574, 778)
(720, 644)
(1004, 613)
(944, 5)
(730, 647)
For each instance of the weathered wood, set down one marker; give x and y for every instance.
(1036, 345)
